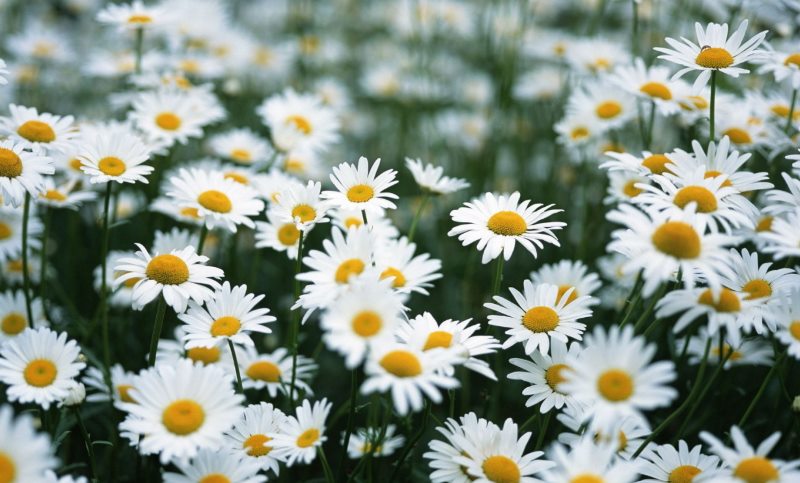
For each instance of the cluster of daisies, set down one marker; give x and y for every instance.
(262, 304)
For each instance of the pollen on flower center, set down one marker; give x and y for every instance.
(288, 234)
(608, 109)
(215, 200)
(264, 371)
(54, 195)
(792, 60)
(683, 474)
(40, 372)
(206, 355)
(238, 177)
(167, 269)
(630, 189)
(677, 239)
(360, 193)
(256, 445)
(8, 470)
(353, 221)
(308, 438)
(112, 166)
(300, 123)
(508, 223)
(764, 224)
(562, 289)
(656, 163)
(399, 278)
(214, 478)
(657, 90)
(190, 212)
(124, 391)
(757, 288)
(401, 363)
(225, 326)
(756, 469)
(367, 323)
(704, 199)
(540, 319)
(554, 375)
(140, 19)
(727, 302)
(305, 212)
(168, 121)
(13, 323)
(5, 231)
(587, 478)
(738, 135)
(347, 269)
(714, 58)
(183, 417)
(615, 385)
(241, 155)
(714, 174)
(794, 329)
(10, 163)
(579, 133)
(500, 469)
(438, 339)
(37, 132)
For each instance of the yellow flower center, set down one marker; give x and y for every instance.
(305, 212)
(216, 201)
(438, 339)
(352, 221)
(656, 163)
(757, 288)
(793, 59)
(308, 438)
(794, 329)
(401, 363)
(657, 90)
(738, 135)
(40, 372)
(13, 323)
(562, 289)
(540, 319)
(705, 199)
(75, 164)
(713, 174)
(288, 234)
(183, 417)
(677, 239)
(54, 195)
(608, 109)
(37, 132)
(190, 212)
(214, 478)
(112, 166)
(347, 269)
(756, 469)
(500, 469)
(241, 155)
(140, 18)
(367, 323)
(615, 385)
(264, 371)
(587, 478)
(206, 355)
(399, 278)
(300, 123)
(8, 469)
(256, 445)
(630, 190)
(764, 224)
(124, 391)
(554, 375)
(225, 326)
(578, 133)
(714, 58)
(360, 193)
(168, 121)
(683, 474)
(507, 223)
(238, 177)
(5, 231)
(167, 269)
(10, 163)
(728, 301)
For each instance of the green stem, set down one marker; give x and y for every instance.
(295, 329)
(139, 44)
(326, 468)
(364, 217)
(239, 386)
(498, 275)
(533, 418)
(713, 106)
(157, 326)
(649, 310)
(351, 419)
(761, 389)
(87, 440)
(635, 295)
(201, 243)
(412, 442)
(26, 276)
(104, 285)
(543, 430)
(417, 215)
(43, 263)
(651, 125)
(635, 31)
(790, 116)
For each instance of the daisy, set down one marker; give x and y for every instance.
(366, 315)
(627, 436)
(781, 201)
(569, 274)
(220, 201)
(34, 130)
(175, 239)
(545, 373)
(271, 185)
(39, 366)
(614, 377)
(230, 314)
(115, 154)
(300, 435)
(783, 238)
(430, 179)
(242, 146)
(538, 314)
(167, 116)
(606, 105)
(381, 227)
(408, 373)
(596, 55)
(361, 187)
(25, 454)
(299, 120)
(210, 465)
(785, 314)
(424, 333)
(649, 83)
(368, 441)
(577, 132)
(590, 461)
(66, 195)
(782, 65)
(443, 454)
(134, 15)
(395, 259)
(645, 164)
(301, 205)
(248, 437)
(660, 245)
(714, 51)
(744, 126)
(758, 282)
(11, 233)
(121, 381)
(279, 235)
(21, 172)
(273, 370)
(748, 352)
(669, 464)
(180, 409)
(13, 315)
(169, 351)
(497, 223)
(623, 187)
(179, 275)
(122, 295)
(746, 464)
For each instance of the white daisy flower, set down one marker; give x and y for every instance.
(649, 83)
(745, 464)
(271, 185)
(220, 201)
(497, 223)
(748, 352)
(230, 314)
(614, 377)
(277, 234)
(179, 275)
(443, 454)
(596, 55)
(668, 464)
(714, 51)
(167, 116)
(121, 381)
(430, 179)
(301, 205)
(298, 121)
(66, 195)
(538, 314)
(783, 238)
(758, 282)
(170, 351)
(242, 146)
(248, 437)
(180, 409)
(133, 16)
(361, 187)
(627, 436)
(395, 259)
(381, 227)
(605, 105)
(273, 370)
(624, 187)
(589, 461)
(367, 441)
(11, 233)
(25, 455)
(175, 239)
(645, 164)
(783, 65)
(39, 366)
(21, 172)
(545, 373)
(13, 315)
(300, 435)
(785, 314)
(780, 201)
(114, 154)
(122, 295)
(569, 274)
(578, 133)
(41, 131)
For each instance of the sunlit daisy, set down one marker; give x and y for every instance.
(21, 172)
(241, 146)
(273, 371)
(167, 116)
(649, 83)
(668, 464)
(627, 435)
(624, 187)
(301, 205)
(430, 179)
(300, 435)
(114, 154)
(367, 441)
(395, 259)
(745, 464)
(11, 233)
(443, 454)
(248, 437)
(606, 105)
(361, 187)
(13, 315)
(748, 352)
(299, 120)
(589, 461)
(67, 195)
(545, 373)
(38, 130)
(281, 236)
(569, 274)
(121, 381)
(135, 15)
(211, 465)
(25, 454)
(783, 238)
(644, 164)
